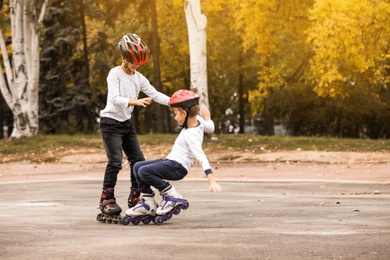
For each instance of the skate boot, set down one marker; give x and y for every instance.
(133, 197)
(144, 211)
(172, 203)
(110, 210)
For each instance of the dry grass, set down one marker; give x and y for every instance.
(49, 148)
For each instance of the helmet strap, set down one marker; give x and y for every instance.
(126, 67)
(184, 125)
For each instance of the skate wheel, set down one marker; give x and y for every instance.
(185, 206)
(168, 216)
(177, 212)
(124, 221)
(99, 217)
(158, 220)
(146, 221)
(136, 222)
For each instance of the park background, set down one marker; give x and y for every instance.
(298, 68)
(316, 71)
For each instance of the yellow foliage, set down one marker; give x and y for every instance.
(5, 20)
(350, 41)
(332, 45)
(174, 49)
(277, 32)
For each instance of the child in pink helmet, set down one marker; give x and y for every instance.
(186, 149)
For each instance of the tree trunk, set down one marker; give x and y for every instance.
(196, 25)
(241, 101)
(90, 117)
(156, 66)
(20, 87)
(1, 121)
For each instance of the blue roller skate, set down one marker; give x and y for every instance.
(171, 204)
(144, 211)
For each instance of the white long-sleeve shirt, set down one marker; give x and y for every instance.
(188, 145)
(123, 87)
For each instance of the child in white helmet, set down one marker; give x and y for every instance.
(124, 86)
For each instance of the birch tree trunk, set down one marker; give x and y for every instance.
(156, 66)
(196, 25)
(20, 86)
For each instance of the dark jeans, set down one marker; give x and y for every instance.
(152, 173)
(117, 136)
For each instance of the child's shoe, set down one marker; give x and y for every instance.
(146, 206)
(170, 198)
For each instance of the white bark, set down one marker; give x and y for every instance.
(20, 89)
(196, 25)
(3, 85)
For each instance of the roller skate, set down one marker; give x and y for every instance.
(133, 197)
(171, 204)
(110, 211)
(144, 211)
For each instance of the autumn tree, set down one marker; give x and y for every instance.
(337, 50)
(275, 31)
(351, 44)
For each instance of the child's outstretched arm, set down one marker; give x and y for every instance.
(213, 185)
(204, 112)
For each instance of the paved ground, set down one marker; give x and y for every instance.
(266, 211)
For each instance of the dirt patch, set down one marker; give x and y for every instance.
(90, 163)
(154, 152)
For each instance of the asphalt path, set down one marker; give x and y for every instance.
(250, 219)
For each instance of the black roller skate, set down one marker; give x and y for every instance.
(133, 197)
(110, 210)
(171, 204)
(144, 211)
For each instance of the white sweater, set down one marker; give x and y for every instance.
(123, 87)
(188, 145)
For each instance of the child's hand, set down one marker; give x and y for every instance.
(143, 102)
(215, 187)
(204, 112)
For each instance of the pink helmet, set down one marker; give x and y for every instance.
(184, 98)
